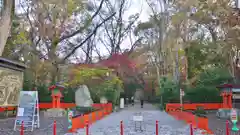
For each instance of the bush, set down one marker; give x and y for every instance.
(110, 89)
(86, 110)
(200, 112)
(78, 111)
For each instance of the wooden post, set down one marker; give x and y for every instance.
(224, 99)
(191, 129)
(227, 128)
(22, 129)
(53, 102)
(54, 128)
(230, 100)
(58, 102)
(87, 128)
(121, 128)
(156, 127)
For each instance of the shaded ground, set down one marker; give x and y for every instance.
(46, 126)
(218, 126)
(111, 124)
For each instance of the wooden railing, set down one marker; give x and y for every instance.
(188, 117)
(87, 119)
(206, 106)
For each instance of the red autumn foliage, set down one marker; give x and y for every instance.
(116, 62)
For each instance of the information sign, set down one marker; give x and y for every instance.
(234, 119)
(138, 121)
(137, 118)
(233, 115)
(70, 115)
(28, 110)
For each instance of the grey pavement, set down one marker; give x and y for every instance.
(110, 125)
(46, 126)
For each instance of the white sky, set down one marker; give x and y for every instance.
(137, 6)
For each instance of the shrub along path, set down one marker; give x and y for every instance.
(111, 124)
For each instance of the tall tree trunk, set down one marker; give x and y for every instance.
(5, 23)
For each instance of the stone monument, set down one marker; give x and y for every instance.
(103, 100)
(83, 97)
(11, 82)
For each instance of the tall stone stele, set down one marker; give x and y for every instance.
(83, 97)
(11, 81)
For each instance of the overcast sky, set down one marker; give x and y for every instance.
(136, 6)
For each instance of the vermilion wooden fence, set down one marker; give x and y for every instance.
(83, 121)
(197, 122)
(49, 105)
(206, 106)
(87, 119)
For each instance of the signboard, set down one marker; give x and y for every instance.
(182, 93)
(20, 112)
(121, 103)
(10, 86)
(236, 96)
(28, 110)
(234, 118)
(138, 118)
(234, 115)
(70, 115)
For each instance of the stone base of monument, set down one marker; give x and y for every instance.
(55, 112)
(116, 109)
(225, 113)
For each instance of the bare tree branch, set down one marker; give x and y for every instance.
(135, 44)
(82, 28)
(101, 40)
(89, 36)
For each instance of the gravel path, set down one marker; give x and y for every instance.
(111, 124)
(46, 126)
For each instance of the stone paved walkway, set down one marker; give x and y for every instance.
(111, 124)
(46, 126)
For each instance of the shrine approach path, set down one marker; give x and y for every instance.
(110, 125)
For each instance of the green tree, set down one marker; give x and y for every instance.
(205, 89)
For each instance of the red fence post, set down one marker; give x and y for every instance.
(87, 128)
(54, 128)
(227, 128)
(191, 129)
(121, 128)
(22, 129)
(156, 127)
